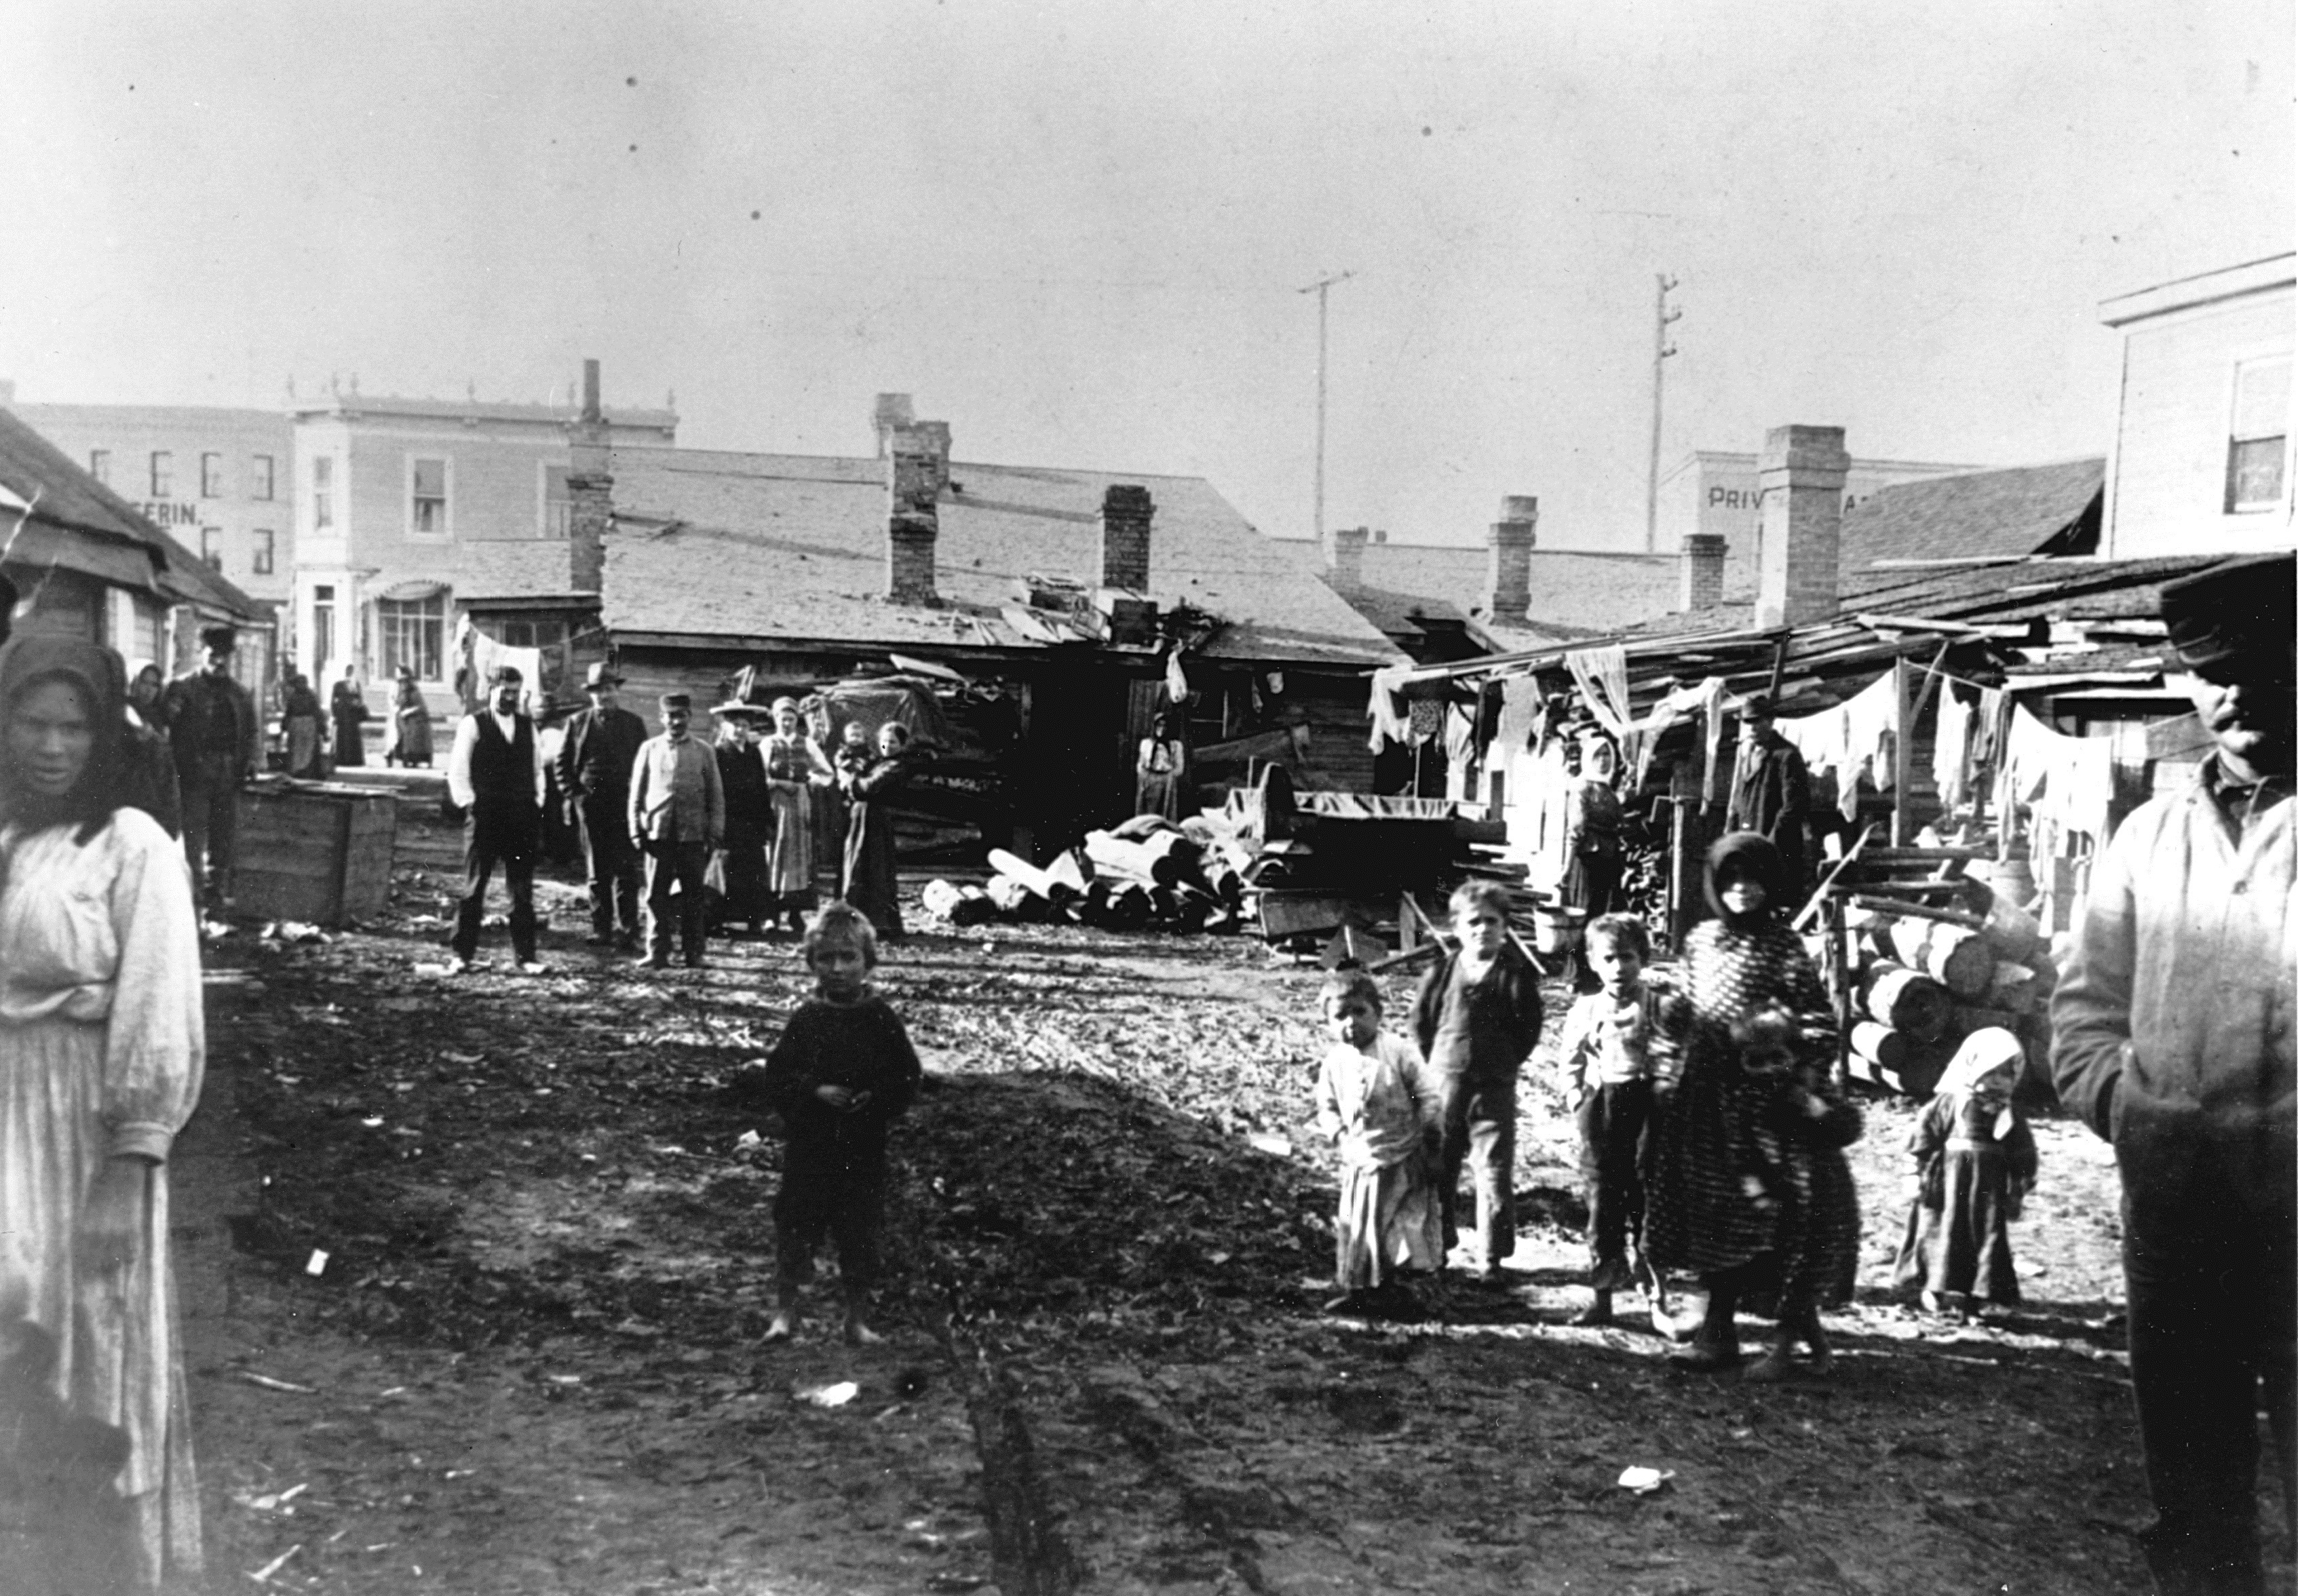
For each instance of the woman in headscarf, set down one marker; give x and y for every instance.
(410, 723)
(1974, 1161)
(102, 1046)
(300, 717)
(869, 882)
(795, 764)
(151, 765)
(1723, 1192)
(347, 705)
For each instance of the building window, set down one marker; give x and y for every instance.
(427, 499)
(259, 477)
(412, 631)
(2261, 434)
(323, 630)
(547, 632)
(323, 491)
(210, 476)
(266, 550)
(212, 545)
(558, 504)
(99, 466)
(163, 473)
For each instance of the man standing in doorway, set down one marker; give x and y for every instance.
(217, 740)
(1771, 792)
(495, 777)
(2173, 1041)
(594, 771)
(677, 816)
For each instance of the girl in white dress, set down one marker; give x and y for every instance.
(1372, 1101)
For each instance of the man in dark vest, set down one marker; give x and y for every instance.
(217, 740)
(594, 771)
(495, 777)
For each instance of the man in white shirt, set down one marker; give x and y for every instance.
(495, 777)
(678, 815)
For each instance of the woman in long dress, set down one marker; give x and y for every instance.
(870, 879)
(299, 716)
(743, 896)
(410, 723)
(102, 1045)
(348, 707)
(795, 764)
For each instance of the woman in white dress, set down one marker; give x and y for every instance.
(794, 766)
(102, 1045)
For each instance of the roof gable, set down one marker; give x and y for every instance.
(2027, 509)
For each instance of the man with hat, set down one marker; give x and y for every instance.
(677, 816)
(2172, 1039)
(216, 738)
(1771, 792)
(602, 744)
(494, 774)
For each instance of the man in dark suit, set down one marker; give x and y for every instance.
(594, 771)
(217, 738)
(495, 777)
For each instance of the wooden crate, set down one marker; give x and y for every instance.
(317, 851)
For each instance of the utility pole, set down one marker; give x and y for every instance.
(1320, 289)
(1662, 348)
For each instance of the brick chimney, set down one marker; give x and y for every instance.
(1799, 476)
(890, 411)
(1125, 511)
(1344, 549)
(589, 488)
(1702, 568)
(1508, 582)
(912, 519)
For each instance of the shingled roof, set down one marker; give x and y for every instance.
(1576, 593)
(793, 547)
(2026, 510)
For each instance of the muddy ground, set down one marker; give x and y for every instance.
(529, 1362)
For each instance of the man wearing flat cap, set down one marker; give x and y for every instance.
(2173, 1041)
(216, 738)
(1771, 791)
(494, 774)
(594, 771)
(677, 816)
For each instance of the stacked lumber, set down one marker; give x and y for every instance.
(1929, 953)
(1145, 875)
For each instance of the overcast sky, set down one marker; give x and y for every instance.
(1077, 232)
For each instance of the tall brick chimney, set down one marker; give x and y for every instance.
(912, 518)
(589, 488)
(1799, 476)
(1701, 569)
(1344, 549)
(1125, 511)
(891, 410)
(1508, 582)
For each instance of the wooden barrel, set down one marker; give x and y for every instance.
(1556, 930)
(1880, 1045)
(1906, 1000)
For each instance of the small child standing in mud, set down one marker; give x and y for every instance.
(842, 1073)
(1372, 1101)
(1615, 1066)
(1974, 1162)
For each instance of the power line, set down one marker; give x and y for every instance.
(1321, 288)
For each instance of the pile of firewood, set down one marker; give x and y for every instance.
(1145, 874)
(1930, 953)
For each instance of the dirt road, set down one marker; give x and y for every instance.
(528, 1362)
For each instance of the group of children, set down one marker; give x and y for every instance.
(1711, 1128)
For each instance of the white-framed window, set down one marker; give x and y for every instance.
(557, 503)
(323, 491)
(2258, 435)
(261, 473)
(99, 466)
(426, 495)
(267, 550)
(210, 476)
(411, 632)
(212, 545)
(163, 473)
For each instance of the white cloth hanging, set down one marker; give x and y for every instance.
(1389, 724)
(2067, 782)
(1950, 751)
(1857, 738)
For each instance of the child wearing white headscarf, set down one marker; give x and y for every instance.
(1974, 1164)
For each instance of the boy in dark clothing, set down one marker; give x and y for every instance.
(842, 1073)
(1476, 1020)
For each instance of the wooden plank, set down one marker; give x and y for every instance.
(1920, 911)
(1810, 906)
(1285, 914)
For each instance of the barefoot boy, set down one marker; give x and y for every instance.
(842, 1071)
